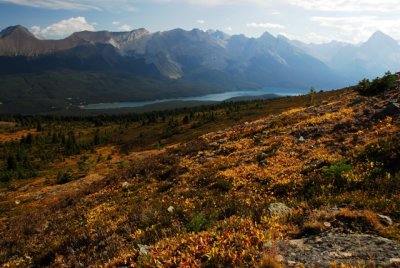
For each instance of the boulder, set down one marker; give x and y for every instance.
(279, 210)
(385, 220)
(170, 209)
(143, 249)
(390, 109)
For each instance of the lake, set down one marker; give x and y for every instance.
(217, 97)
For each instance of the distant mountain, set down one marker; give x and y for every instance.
(380, 53)
(210, 58)
(139, 65)
(18, 41)
(324, 52)
(372, 58)
(118, 39)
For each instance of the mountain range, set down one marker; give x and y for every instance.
(380, 53)
(87, 67)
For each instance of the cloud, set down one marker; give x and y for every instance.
(212, 3)
(35, 29)
(200, 21)
(228, 29)
(130, 5)
(122, 27)
(360, 28)
(63, 28)
(265, 25)
(309, 37)
(130, 8)
(76, 4)
(125, 28)
(348, 5)
(53, 4)
(276, 13)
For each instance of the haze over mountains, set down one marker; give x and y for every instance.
(90, 67)
(380, 53)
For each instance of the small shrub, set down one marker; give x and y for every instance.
(329, 179)
(378, 85)
(334, 174)
(198, 223)
(164, 186)
(64, 177)
(222, 185)
(386, 152)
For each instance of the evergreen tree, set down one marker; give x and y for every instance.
(185, 120)
(96, 138)
(29, 138)
(39, 127)
(12, 163)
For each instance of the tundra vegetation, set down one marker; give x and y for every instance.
(213, 186)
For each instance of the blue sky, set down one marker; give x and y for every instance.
(307, 20)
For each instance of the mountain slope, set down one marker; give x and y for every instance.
(325, 52)
(379, 54)
(116, 39)
(18, 41)
(310, 186)
(271, 60)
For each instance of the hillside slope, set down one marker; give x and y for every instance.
(306, 186)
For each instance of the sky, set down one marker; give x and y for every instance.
(311, 21)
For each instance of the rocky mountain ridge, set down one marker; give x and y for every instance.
(378, 54)
(103, 66)
(18, 41)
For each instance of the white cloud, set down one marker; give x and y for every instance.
(63, 28)
(265, 25)
(276, 13)
(53, 4)
(125, 28)
(228, 29)
(200, 21)
(76, 4)
(122, 27)
(357, 29)
(130, 5)
(348, 5)
(310, 37)
(212, 3)
(131, 8)
(35, 29)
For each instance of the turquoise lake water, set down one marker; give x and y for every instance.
(210, 97)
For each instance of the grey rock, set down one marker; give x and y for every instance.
(143, 249)
(279, 258)
(279, 210)
(351, 249)
(385, 220)
(296, 243)
(327, 224)
(390, 109)
(170, 209)
(395, 261)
